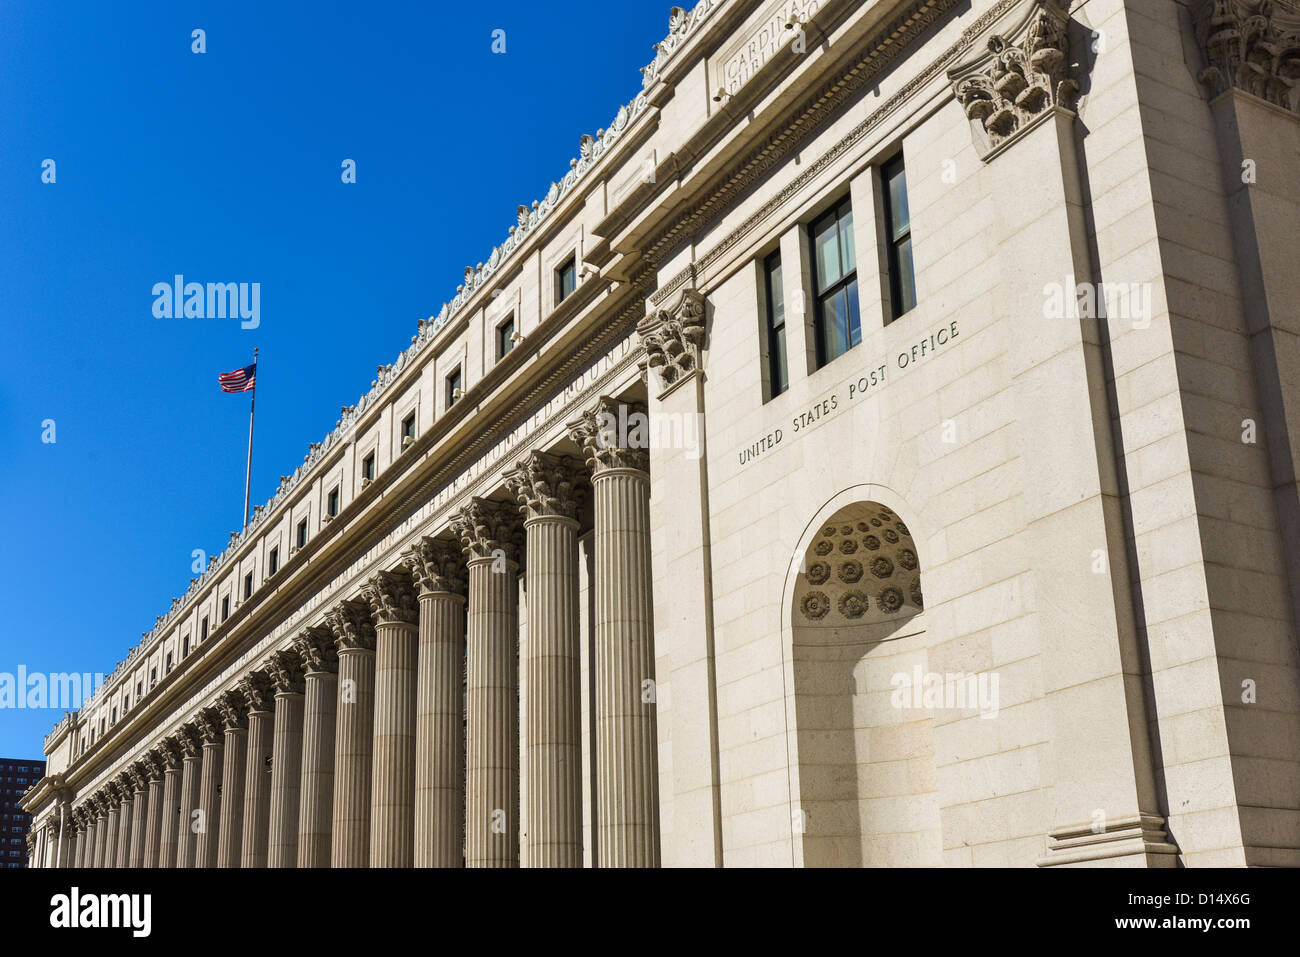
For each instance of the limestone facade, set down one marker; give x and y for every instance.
(907, 480)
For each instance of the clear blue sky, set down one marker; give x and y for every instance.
(225, 166)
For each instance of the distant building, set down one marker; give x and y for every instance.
(17, 775)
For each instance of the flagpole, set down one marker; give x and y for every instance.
(248, 472)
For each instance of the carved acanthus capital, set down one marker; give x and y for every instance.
(488, 530)
(316, 649)
(436, 566)
(1024, 75)
(173, 751)
(258, 691)
(210, 725)
(352, 626)
(673, 339)
(140, 773)
(124, 784)
(546, 484)
(392, 598)
(1252, 46)
(190, 738)
(285, 669)
(234, 711)
(614, 435)
(156, 760)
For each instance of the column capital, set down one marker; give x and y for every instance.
(1252, 46)
(191, 739)
(1021, 77)
(436, 565)
(488, 529)
(673, 339)
(124, 785)
(259, 691)
(315, 647)
(170, 750)
(352, 626)
(140, 773)
(546, 485)
(392, 597)
(155, 762)
(285, 669)
(234, 711)
(210, 725)
(614, 434)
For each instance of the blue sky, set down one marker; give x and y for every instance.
(225, 166)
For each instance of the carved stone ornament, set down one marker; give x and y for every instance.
(392, 598)
(315, 647)
(191, 740)
(673, 338)
(615, 434)
(172, 751)
(1252, 46)
(286, 672)
(545, 484)
(156, 760)
(234, 711)
(1023, 77)
(436, 565)
(125, 784)
(352, 626)
(211, 726)
(488, 529)
(258, 691)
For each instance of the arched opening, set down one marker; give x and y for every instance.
(867, 779)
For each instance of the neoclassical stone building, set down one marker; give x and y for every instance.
(875, 450)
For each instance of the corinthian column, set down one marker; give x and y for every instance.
(191, 776)
(100, 827)
(83, 838)
(259, 695)
(438, 568)
(285, 669)
(315, 647)
(552, 824)
(627, 793)
(139, 814)
(155, 766)
(209, 819)
(125, 790)
(354, 636)
(392, 791)
(234, 766)
(171, 752)
(489, 532)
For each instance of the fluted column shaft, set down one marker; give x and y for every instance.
(553, 760)
(627, 800)
(123, 856)
(353, 749)
(257, 788)
(209, 820)
(169, 826)
(139, 825)
(286, 780)
(491, 756)
(110, 837)
(100, 827)
(316, 808)
(234, 766)
(392, 824)
(78, 845)
(439, 732)
(153, 826)
(186, 836)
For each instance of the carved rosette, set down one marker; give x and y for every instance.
(234, 711)
(210, 725)
(1252, 46)
(285, 670)
(392, 598)
(352, 626)
(488, 530)
(315, 647)
(673, 339)
(614, 435)
(436, 566)
(1024, 75)
(190, 739)
(258, 691)
(546, 485)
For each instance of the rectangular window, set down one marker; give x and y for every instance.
(185, 647)
(898, 238)
(153, 677)
(273, 561)
(408, 430)
(332, 505)
(835, 284)
(225, 608)
(302, 533)
(168, 669)
(453, 388)
(368, 467)
(565, 279)
(506, 336)
(248, 586)
(778, 376)
(203, 629)
(139, 688)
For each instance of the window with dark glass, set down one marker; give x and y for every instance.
(185, 646)
(302, 533)
(778, 375)
(565, 279)
(225, 608)
(333, 502)
(168, 669)
(273, 561)
(835, 284)
(898, 238)
(408, 430)
(203, 629)
(453, 388)
(248, 585)
(506, 336)
(368, 467)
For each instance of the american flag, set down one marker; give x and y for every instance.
(241, 380)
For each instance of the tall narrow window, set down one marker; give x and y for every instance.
(169, 664)
(332, 504)
(408, 430)
(368, 467)
(453, 388)
(203, 629)
(248, 586)
(898, 238)
(778, 375)
(273, 561)
(835, 284)
(302, 533)
(185, 646)
(225, 608)
(565, 279)
(506, 336)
